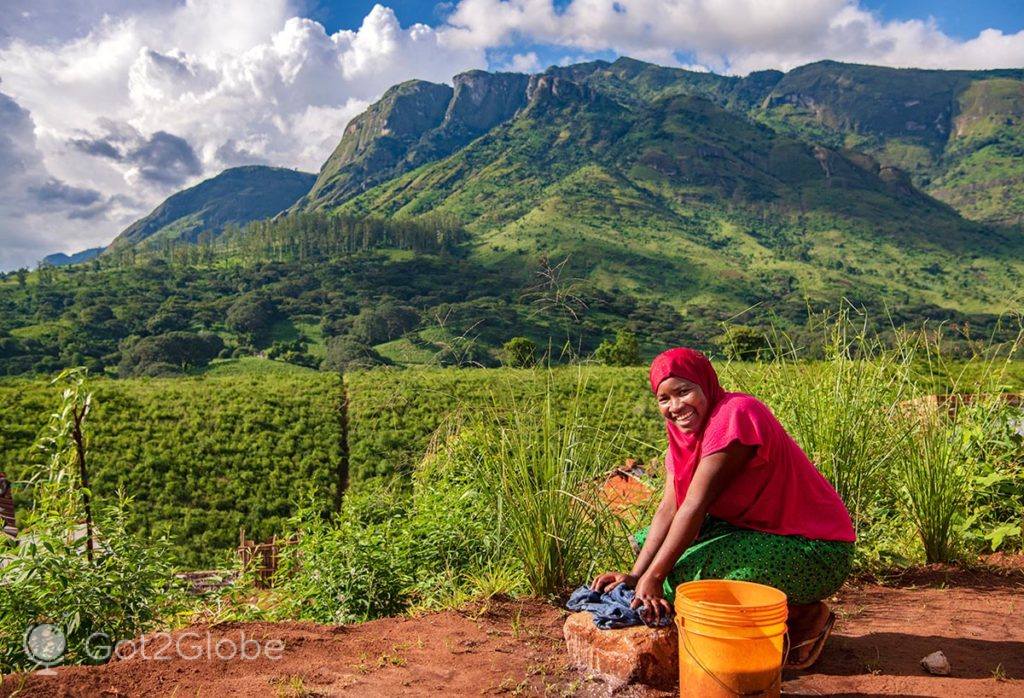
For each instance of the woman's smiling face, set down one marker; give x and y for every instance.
(683, 403)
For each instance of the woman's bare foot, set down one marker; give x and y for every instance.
(806, 622)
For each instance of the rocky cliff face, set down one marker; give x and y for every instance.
(376, 142)
(480, 102)
(412, 124)
(483, 100)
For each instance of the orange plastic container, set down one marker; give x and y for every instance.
(731, 638)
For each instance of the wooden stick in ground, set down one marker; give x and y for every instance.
(76, 434)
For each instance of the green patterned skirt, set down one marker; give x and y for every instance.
(805, 570)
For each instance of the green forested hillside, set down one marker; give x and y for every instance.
(562, 207)
(315, 291)
(687, 203)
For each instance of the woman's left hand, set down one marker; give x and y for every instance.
(650, 595)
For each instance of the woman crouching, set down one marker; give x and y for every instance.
(742, 501)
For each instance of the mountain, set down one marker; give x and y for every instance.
(60, 259)
(414, 123)
(671, 195)
(599, 195)
(957, 134)
(235, 196)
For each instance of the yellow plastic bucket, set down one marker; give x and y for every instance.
(731, 638)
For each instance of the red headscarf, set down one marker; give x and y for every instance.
(693, 366)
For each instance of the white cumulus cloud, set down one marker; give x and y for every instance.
(734, 36)
(147, 102)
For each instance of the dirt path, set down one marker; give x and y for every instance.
(515, 648)
(975, 618)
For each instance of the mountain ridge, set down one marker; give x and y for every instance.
(629, 169)
(236, 196)
(902, 117)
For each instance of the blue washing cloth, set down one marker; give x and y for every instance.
(610, 610)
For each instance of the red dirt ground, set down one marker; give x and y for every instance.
(976, 617)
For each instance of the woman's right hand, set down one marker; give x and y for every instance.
(609, 580)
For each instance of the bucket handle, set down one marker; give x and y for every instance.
(786, 647)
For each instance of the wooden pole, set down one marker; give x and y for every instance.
(83, 474)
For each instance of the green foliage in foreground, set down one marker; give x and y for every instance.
(201, 456)
(506, 501)
(205, 456)
(121, 588)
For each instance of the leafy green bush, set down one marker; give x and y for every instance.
(519, 352)
(172, 351)
(383, 322)
(293, 352)
(741, 343)
(624, 351)
(128, 589)
(345, 353)
(386, 550)
(252, 315)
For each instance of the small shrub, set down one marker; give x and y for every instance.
(624, 351)
(346, 353)
(741, 343)
(519, 352)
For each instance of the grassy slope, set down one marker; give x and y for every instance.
(686, 203)
(958, 133)
(984, 178)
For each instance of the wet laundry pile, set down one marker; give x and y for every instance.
(610, 610)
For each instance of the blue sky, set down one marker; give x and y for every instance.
(959, 18)
(955, 18)
(109, 106)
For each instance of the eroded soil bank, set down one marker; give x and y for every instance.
(976, 617)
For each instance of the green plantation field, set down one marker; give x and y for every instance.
(242, 444)
(201, 456)
(394, 413)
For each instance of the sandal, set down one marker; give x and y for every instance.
(818, 644)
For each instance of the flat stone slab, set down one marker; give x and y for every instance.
(628, 655)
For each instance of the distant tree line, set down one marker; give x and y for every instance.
(301, 237)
